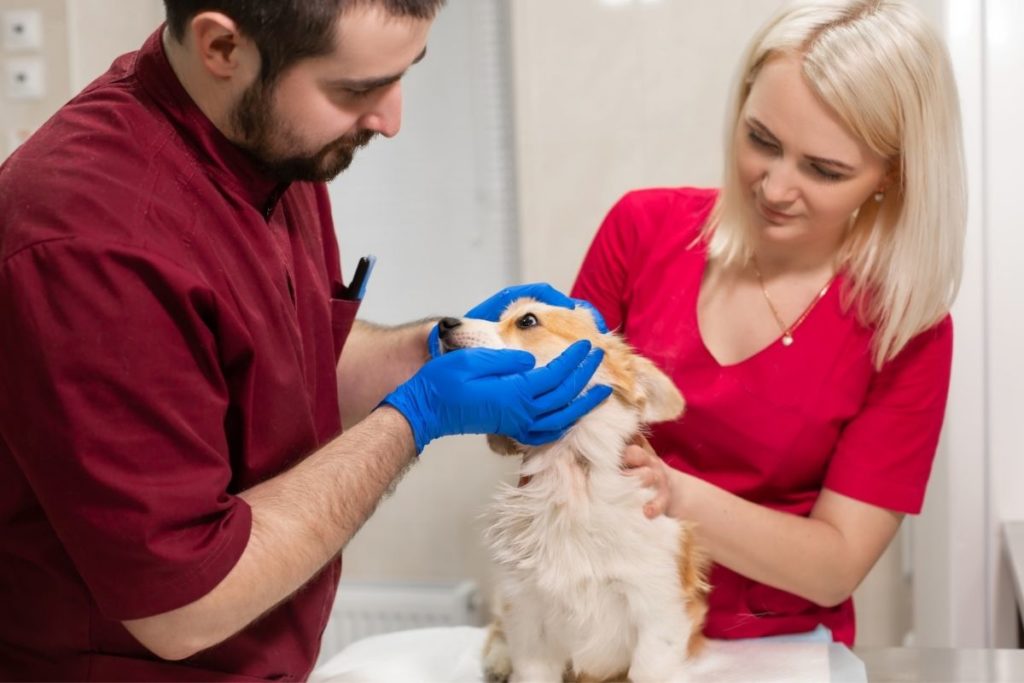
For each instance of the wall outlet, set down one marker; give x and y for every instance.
(25, 78)
(21, 29)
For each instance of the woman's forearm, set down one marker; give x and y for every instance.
(821, 558)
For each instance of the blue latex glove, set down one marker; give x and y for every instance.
(602, 326)
(488, 391)
(492, 308)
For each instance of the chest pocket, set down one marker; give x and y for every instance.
(343, 315)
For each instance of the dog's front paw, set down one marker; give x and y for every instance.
(496, 660)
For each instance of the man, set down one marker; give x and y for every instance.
(174, 493)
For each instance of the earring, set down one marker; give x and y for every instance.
(879, 196)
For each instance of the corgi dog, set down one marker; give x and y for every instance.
(590, 589)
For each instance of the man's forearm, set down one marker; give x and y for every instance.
(301, 519)
(375, 360)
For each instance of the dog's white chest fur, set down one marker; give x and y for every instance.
(574, 524)
(583, 566)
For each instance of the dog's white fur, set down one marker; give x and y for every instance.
(589, 586)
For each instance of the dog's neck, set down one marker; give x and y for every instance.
(594, 444)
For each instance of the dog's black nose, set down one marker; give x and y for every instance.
(446, 325)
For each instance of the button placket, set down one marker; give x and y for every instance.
(278, 227)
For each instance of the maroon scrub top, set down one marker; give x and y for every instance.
(168, 339)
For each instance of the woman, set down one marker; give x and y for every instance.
(803, 311)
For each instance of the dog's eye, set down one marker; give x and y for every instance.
(528, 320)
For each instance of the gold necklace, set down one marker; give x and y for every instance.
(787, 332)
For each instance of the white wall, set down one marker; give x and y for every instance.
(101, 30)
(963, 595)
(80, 39)
(1004, 220)
(20, 118)
(952, 526)
(614, 96)
(436, 205)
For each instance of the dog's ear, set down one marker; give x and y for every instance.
(661, 399)
(503, 445)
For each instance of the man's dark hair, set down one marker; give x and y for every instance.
(286, 31)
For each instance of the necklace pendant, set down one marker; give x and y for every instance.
(787, 339)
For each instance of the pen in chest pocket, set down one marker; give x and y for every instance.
(355, 290)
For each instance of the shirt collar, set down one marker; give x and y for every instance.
(227, 163)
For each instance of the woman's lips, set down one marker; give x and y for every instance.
(772, 215)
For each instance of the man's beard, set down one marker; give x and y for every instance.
(263, 136)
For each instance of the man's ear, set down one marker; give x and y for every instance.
(221, 47)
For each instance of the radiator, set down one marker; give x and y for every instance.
(365, 608)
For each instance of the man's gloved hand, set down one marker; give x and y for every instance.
(493, 307)
(488, 391)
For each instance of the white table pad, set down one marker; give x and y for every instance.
(452, 655)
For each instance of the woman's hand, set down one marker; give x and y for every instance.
(640, 460)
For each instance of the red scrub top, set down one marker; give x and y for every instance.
(777, 427)
(167, 340)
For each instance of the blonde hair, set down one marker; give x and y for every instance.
(880, 66)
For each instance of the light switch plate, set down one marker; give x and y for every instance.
(25, 78)
(21, 29)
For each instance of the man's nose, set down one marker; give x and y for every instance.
(386, 115)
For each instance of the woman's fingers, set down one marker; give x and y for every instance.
(642, 464)
(635, 456)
